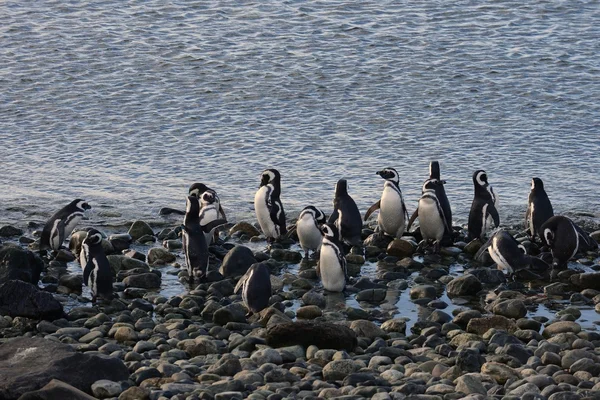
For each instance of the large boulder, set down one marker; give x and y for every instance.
(22, 299)
(28, 364)
(237, 261)
(19, 263)
(57, 390)
(322, 334)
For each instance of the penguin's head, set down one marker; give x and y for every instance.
(549, 237)
(197, 189)
(316, 214)
(480, 178)
(93, 237)
(536, 183)
(192, 206)
(389, 174)
(81, 204)
(269, 176)
(207, 198)
(341, 188)
(330, 231)
(434, 170)
(430, 184)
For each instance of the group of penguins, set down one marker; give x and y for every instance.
(331, 238)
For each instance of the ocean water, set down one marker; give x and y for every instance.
(126, 103)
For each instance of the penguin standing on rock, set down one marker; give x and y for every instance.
(194, 242)
(539, 208)
(256, 288)
(97, 273)
(268, 207)
(393, 216)
(565, 239)
(61, 224)
(345, 215)
(483, 209)
(432, 220)
(332, 263)
(308, 229)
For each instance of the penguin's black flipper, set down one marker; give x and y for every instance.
(538, 265)
(588, 242)
(412, 219)
(278, 216)
(290, 232)
(333, 217)
(483, 248)
(372, 209)
(87, 270)
(222, 211)
(494, 213)
(240, 283)
(169, 211)
(212, 224)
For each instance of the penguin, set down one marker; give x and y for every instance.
(345, 215)
(539, 208)
(308, 229)
(268, 207)
(510, 256)
(483, 208)
(393, 215)
(97, 273)
(61, 224)
(198, 189)
(431, 215)
(565, 239)
(442, 199)
(194, 242)
(209, 211)
(256, 288)
(332, 263)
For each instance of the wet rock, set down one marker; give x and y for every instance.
(147, 280)
(309, 312)
(139, 229)
(120, 242)
(394, 325)
(159, 255)
(237, 261)
(73, 282)
(230, 313)
(321, 334)
(290, 256)
(488, 276)
(400, 248)
(473, 246)
(464, 317)
(18, 263)
(119, 262)
(245, 228)
(556, 289)
(22, 299)
(378, 240)
(590, 280)
(105, 388)
(55, 390)
(9, 230)
(511, 308)
(314, 298)
(561, 327)
(423, 292)
(371, 295)
(367, 329)
(466, 285)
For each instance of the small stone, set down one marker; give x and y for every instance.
(367, 329)
(469, 384)
(139, 229)
(423, 291)
(160, 255)
(266, 356)
(372, 295)
(466, 285)
(125, 334)
(103, 389)
(245, 228)
(309, 312)
(511, 308)
(561, 327)
(394, 325)
(400, 248)
(339, 369)
(499, 372)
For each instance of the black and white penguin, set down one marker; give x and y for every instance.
(61, 224)
(198, 189)
(510, 256)
(97, 273)
(539, 208)
(308, 228)
(345, 215)
(332, 263)
(268, 207)
(194, 242)
(209, 211)
(256, 288)
(483, 209)
(432, 220)
(565, 239)
(393, 215)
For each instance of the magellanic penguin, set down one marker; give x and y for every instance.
(565, 239)
(483, 209)
(198, 189)
(308, 228)
(256, 288)
(393, 216)
(345, 215)
(209, 211)
(432, 220)
(97, 273)
(332, 263)
(510, 256)
(539, 208)
(61, 224)
(268, 207)
(193, 236)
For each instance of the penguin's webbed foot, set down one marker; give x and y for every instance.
(436, 247)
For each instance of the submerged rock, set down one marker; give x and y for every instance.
(22, 299)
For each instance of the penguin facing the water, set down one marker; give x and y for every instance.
(393, 216)
(194, 242)
(308, 228)
(565, 239)
(209, 211)
(539, 208)
(432, 220)
(61, 224)
(97, 273)
(345, 215)
(332, 263)
(268, 207)
(483, 208)
(256, 288)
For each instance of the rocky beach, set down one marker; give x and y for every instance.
(409, 325)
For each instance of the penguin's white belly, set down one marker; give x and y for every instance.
(503, 265)
(308, 234)
(332, 274)
(207, 215)
(391, 216)
(430, 220)
(531, 217)
(262, 213)
(488, 220)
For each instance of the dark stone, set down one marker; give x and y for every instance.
(589, 280)
(488, 276)
(57, 390)
(21, 264)
(230, 313)
(27, 364)
(148, 280)
(22, 299)
(322, 334)
(237, 261)
(371, 295)
(469, 360)
(8, 231)
(466, 285)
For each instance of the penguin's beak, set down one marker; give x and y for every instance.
(86, 206)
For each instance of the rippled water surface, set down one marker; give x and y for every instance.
(125, 103)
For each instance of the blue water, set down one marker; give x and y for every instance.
(126, 103)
